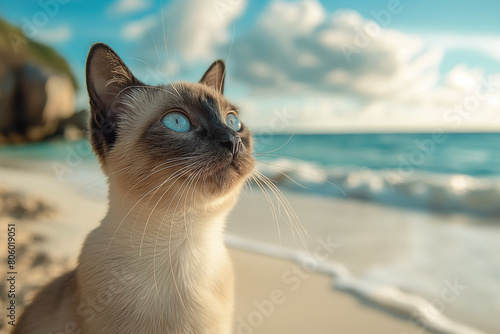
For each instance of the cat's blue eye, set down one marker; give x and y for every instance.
(177, 122)
(233, 121)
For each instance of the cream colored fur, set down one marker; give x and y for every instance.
(157, 263)
(184, 288)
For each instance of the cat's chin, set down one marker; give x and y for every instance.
(230, 174)
(238, 168)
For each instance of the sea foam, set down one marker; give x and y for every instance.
(420, 312)
(446, 193)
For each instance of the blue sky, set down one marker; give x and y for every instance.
(421, 61)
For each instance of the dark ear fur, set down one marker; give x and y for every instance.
(214, 76)
(106, 77)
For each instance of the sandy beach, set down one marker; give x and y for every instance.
(265, 303)
(368, 134)
(313, 307)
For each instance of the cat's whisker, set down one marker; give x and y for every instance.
(248, 186)
(272, 185)
(242, 76)
(279, 148)
(188, 187)
(271, 204)
(263, 188)
(280, 156)
(175, 160)
(165, 39)
(227, 58)
(277, 210)
(146, 87)
(175, 50)
(288, 209)
(186, 190)
(166, 76)
(158, 54)
(153, 173)
(169, 250)
(159, 59)
(290, 213)
(147, 204)
(258, 95)
(190, 235)
(271, 166)
(125, 217)
(301, 171)
(111, 175)
(183, 171)
(120, 224)
(162, 74)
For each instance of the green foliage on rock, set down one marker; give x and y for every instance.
(16, 48)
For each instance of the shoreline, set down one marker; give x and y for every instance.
(78, 214)
(304, 302)
(416, 311)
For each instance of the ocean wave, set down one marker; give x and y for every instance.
(419, 311)
(445, 193)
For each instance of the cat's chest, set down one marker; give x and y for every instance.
(164, 291)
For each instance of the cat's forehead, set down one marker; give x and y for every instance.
(196, 97)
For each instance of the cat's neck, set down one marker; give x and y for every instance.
(153, 253)
(154, 223)
(156, 239)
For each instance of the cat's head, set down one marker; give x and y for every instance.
(160, 136)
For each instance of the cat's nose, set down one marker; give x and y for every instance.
(232, 143)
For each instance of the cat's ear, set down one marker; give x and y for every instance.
(106, 75)
(214, 76)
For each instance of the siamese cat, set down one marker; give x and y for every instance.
(176, 157)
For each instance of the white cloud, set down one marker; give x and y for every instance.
(138, 29)
(339, 71)
(335, 71)
(304, 47)
(489, 45)
(57, 35)
(196, 29)
(445, 108)
(129, 6)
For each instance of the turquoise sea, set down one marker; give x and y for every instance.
(443, 190)
(437, 172)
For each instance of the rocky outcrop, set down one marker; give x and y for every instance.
(35, 102)
(37, 90)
